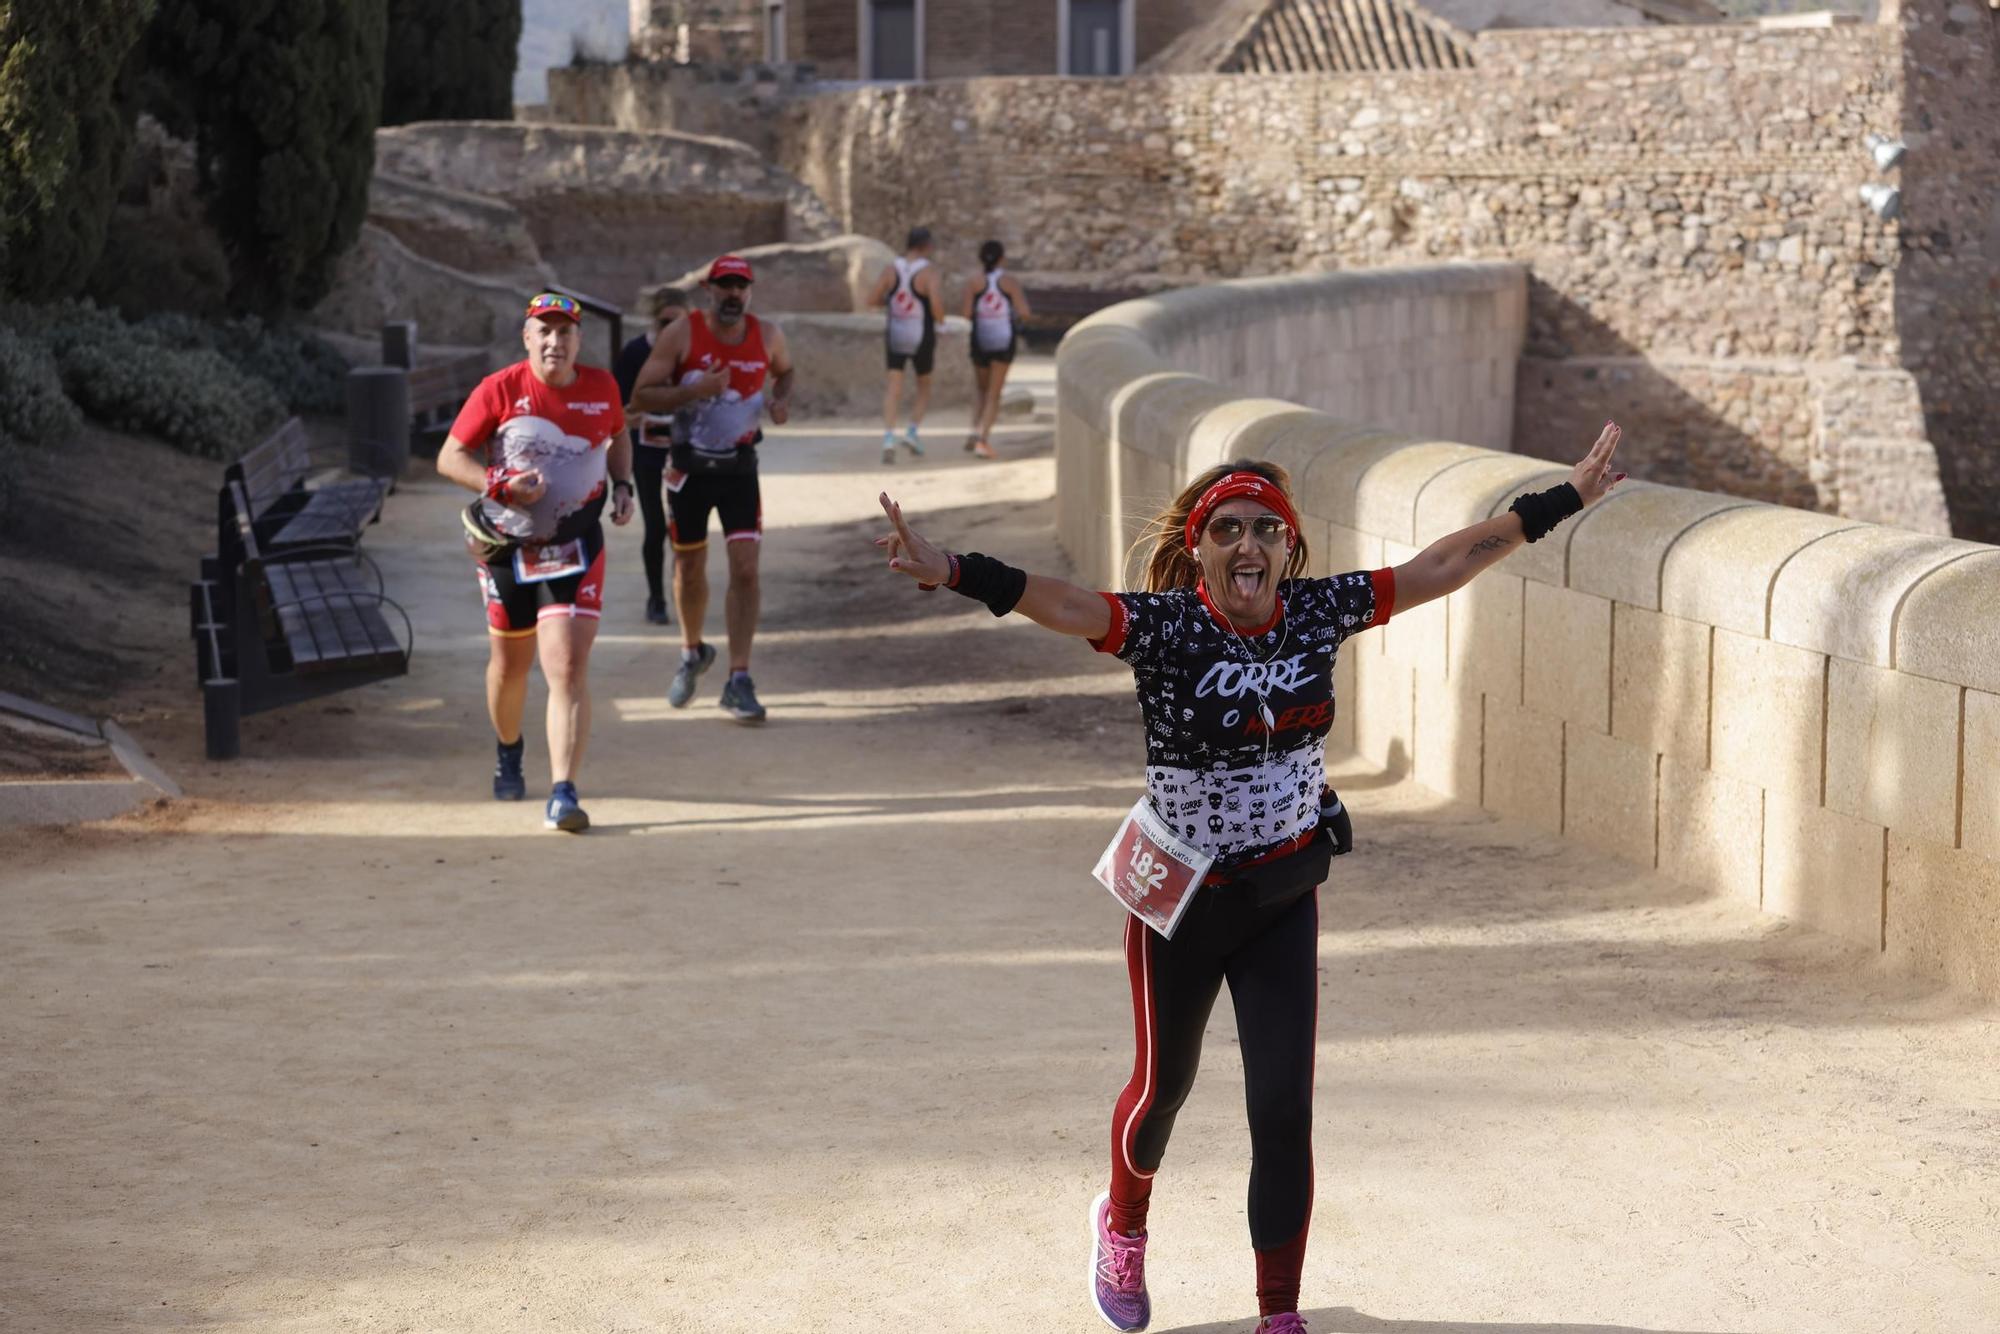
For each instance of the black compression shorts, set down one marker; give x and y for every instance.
(734, 496)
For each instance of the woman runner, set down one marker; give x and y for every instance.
(995, 308)
(650, 432)
(1233, 652)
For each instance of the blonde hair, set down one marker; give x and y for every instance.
(1170, 565)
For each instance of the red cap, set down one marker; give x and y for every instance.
(555, 306)
(731, 266)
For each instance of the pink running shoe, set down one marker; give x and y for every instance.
(1287, 1322)
(1117, 1272)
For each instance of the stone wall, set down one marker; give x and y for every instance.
(1792, 709)
(688, 99)
(1831, 436)
(1695, 193)
(612, 210)
(1948, 281)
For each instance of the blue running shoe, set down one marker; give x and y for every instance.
(508, 785)
(681, 689)
(563, 812)
(739, 697)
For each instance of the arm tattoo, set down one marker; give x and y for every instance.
(1489, 544)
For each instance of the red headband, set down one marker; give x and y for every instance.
(1239, 485)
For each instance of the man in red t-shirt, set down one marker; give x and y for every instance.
(535, 442)
(717, 371)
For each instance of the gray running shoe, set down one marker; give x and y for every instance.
(740, 698)
(682, 689)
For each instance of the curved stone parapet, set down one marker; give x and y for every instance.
(1796, 709)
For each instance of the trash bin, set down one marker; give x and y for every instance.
(378, 421)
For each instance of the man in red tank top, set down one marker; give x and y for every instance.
(717, 371)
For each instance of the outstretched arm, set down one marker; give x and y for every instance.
(1451, 562)
(1053, 603)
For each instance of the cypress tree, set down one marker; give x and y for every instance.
(65, 134)
(281, 98)
(450, 60)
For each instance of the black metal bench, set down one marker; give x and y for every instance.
(285, 512)
(271, 629)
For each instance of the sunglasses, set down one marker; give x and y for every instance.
(730, 284)
(1228, 530)
(549, 301)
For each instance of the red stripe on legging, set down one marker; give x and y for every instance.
(1131, 1188)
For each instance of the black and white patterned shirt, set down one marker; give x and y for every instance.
(1236, 725)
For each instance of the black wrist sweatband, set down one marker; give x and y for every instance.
(993, 582)
(1541, 511)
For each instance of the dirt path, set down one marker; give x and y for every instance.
(820, 1028)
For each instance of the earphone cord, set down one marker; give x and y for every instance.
(1264, 698)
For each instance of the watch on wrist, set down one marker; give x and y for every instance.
(624, 482)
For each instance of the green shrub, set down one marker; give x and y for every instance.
(450, 60)
(167, 381)
(192, 397)
(33, 407)
(306, 371)
(281, 100)
(65, 131)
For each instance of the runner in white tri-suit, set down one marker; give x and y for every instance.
(908, 289)
(995, 307)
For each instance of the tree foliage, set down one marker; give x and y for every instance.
(65, 131)
(450, 60)
(281, 98)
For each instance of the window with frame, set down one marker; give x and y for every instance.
(893, 30)
(1095, 37)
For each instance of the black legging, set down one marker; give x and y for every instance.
(1270, 958)
(649, 467)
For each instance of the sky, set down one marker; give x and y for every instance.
(550, 30)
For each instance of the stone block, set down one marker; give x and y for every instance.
(1484, 635)
(1766, 712)
(1450, 737)
(1711, 830)
(1621, 543)
(1659, 683)
(1346, 455)
(1892, 750)
(1841, 594)
(1566, 670)
(1823, 868)
(1415, 637)
(1546, 561)
(1721, 569)
(1943, 916)
(1347, 550)
(1385, 496)
(1383, 733)
(1609, 792)
(1523, 765)
(1979, 824)
(1949, 627)
(1243, 428)
(1466, 494)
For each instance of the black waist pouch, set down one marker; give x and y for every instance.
(1273, 884)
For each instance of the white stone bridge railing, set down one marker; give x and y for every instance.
(1796, 709)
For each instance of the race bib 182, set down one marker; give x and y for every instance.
(1150, 871)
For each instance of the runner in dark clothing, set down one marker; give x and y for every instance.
(649, 450)
(1233, 650)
